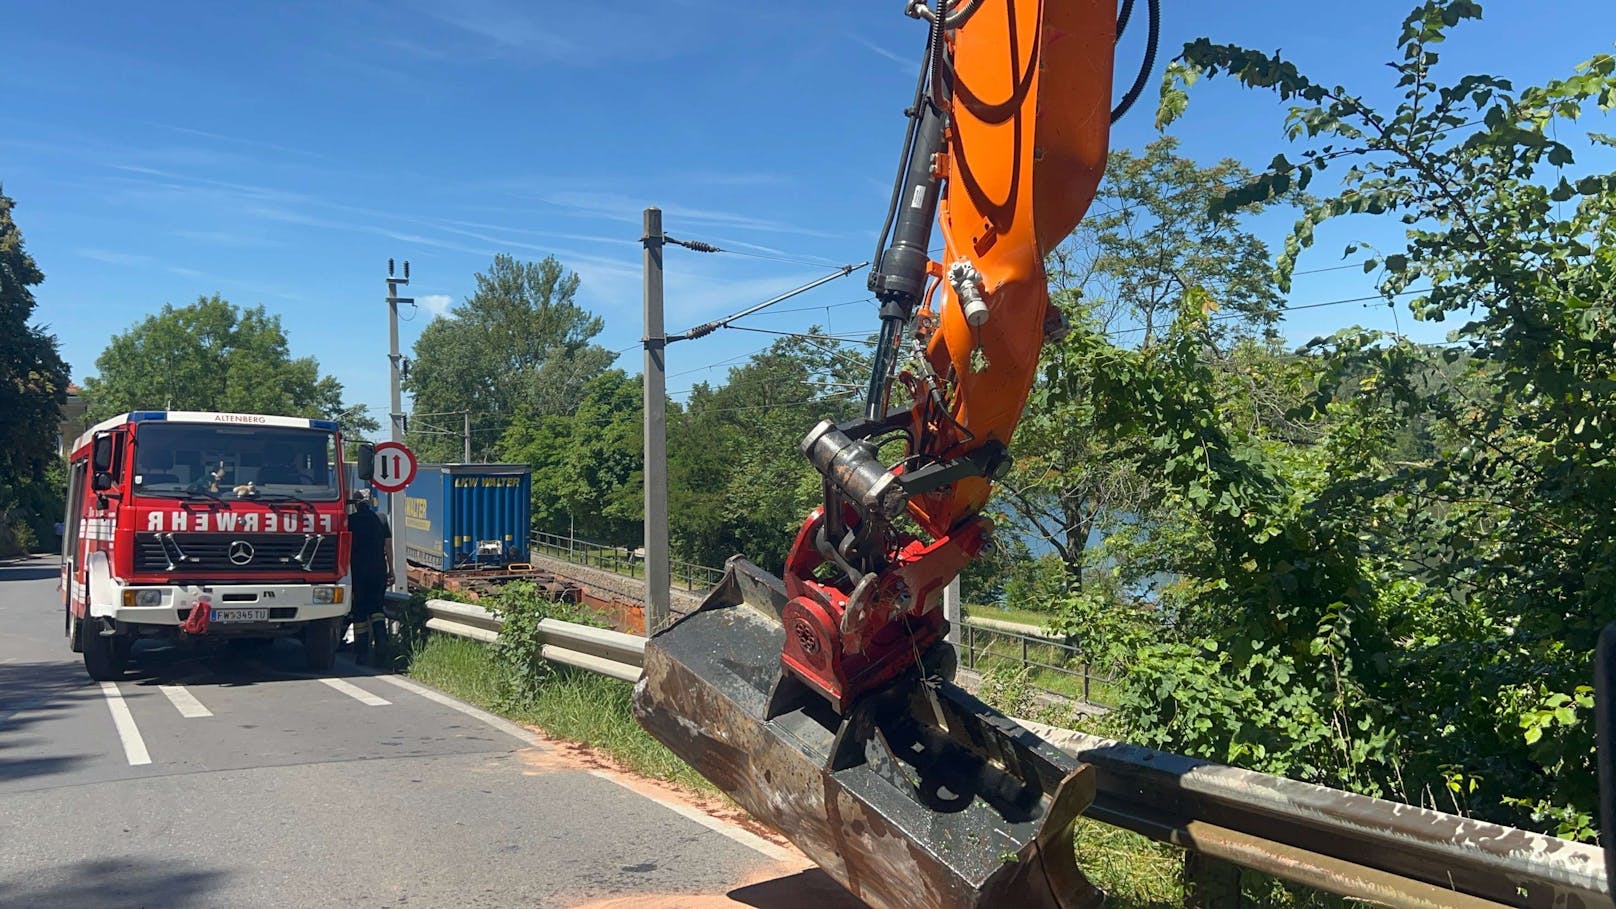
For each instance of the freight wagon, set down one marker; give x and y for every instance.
(466, 528)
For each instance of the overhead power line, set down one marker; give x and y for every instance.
(708, 328)
(817, 263)
(859, 338)
(1289, 309)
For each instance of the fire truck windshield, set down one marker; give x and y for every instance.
(179, 459)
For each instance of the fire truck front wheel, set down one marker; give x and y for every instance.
(320, 641)
(105, 656)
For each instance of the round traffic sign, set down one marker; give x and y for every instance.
(394, 467)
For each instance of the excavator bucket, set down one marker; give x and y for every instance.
(919, 797)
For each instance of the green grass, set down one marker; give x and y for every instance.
(1019, 616)
(1135, 872)
(459, 666)
(575, 706)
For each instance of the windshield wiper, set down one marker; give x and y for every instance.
(281, 497)
(183, 494)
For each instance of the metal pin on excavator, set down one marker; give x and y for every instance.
(822, 702)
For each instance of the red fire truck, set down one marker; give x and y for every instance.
(199, 525)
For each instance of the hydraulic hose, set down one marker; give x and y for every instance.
(1150, 54)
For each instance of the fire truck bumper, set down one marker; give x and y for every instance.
(243, 607)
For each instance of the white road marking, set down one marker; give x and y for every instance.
(357, 693)
(738, 834)
(500, 723)
(185, 702)
(134, 747)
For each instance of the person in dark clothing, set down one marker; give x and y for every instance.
(371, 567)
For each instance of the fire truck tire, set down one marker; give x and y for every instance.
(74, 642)
(104, 657)
(320, 641)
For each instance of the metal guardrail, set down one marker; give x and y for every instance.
(1352, 845)
(601, 650)
(622, 560)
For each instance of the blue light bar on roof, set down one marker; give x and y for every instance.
(328, 425)
(145, 416)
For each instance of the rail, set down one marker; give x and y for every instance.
(1351, 845)
(622, 560)
(1051, 663)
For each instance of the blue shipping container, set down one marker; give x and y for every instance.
(467, 515)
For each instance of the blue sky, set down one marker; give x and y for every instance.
(281, 153)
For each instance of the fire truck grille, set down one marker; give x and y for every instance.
(236, 552)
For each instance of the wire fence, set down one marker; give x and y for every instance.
(1050, 664)
(623, 560)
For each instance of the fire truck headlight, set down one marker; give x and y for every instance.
(328, 594)
(143, 598)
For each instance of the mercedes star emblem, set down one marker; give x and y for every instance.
(241, 552)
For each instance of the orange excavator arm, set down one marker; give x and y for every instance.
(1027, 146)
(822, 701)
(1007, 147)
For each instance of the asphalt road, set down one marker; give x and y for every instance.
(214, 780)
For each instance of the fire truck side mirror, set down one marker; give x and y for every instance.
(102, 482)
(365, 458)
(101, 455)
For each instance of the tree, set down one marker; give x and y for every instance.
(213, 356)
(1472, 556)
(518, 345)
(33, 378)
(587, 466)
(1152, 233)
(33, 386)
(738, 482)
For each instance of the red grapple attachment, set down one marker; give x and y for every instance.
(918, 797)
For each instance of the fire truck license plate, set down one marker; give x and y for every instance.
(240, 615)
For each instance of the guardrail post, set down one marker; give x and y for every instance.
(1210, 883)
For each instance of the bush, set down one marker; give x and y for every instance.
(523, 671)
(16, 537)
(25, 539)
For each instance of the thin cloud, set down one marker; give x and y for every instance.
(226, 238)
(732, 178)
(416, 49)
(618, 207)
(290, 217)
(112, 257)
(591, 34)
(910, 64)
(512, 29)
(238, 140)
